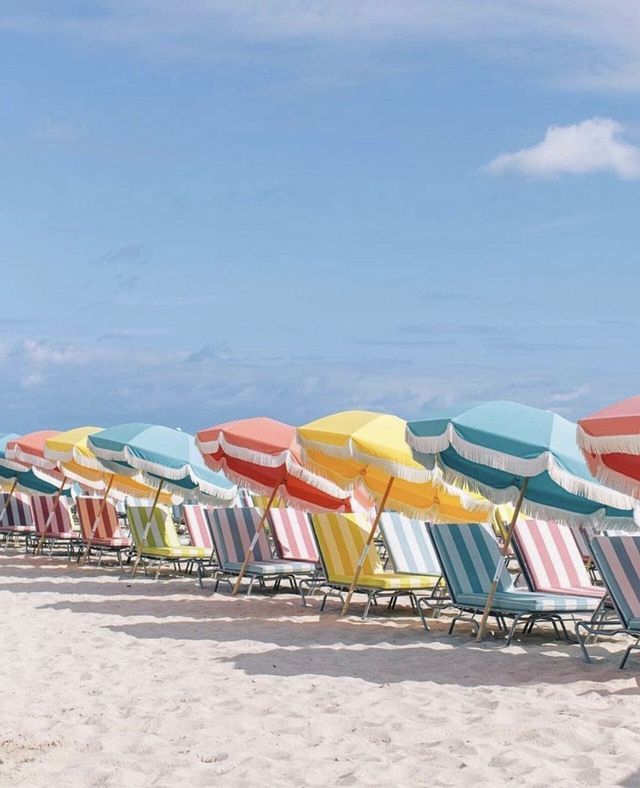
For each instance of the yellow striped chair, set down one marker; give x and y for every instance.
(341, 539)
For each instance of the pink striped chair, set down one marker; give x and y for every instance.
(197, 522)
(292, 534)
(16, 519)
(101, 529)
(551, 560)
(54, 523)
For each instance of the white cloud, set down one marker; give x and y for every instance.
(58, 131)
(592, 43)
(594, 145)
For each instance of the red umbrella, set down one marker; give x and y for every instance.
(610, 442)
(264, 455)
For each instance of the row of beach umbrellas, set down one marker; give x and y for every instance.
(453, 468)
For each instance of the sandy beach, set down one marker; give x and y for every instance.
(112, 681)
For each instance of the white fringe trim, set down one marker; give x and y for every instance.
(525, 468)
(12, 465)
(74, 456)
(608, 444)
(30, 459)
(626, 484)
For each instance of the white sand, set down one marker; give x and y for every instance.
(107, 681)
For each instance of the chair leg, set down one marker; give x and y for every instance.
(633, 647)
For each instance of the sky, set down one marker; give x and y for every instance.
(217, 209)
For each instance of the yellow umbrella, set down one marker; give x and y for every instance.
(71, 451)
(362, 447)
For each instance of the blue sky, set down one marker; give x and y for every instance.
(218, 209)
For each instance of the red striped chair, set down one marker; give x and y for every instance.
(197, 522)
(54, 523)
(551, 560)
(291, 531)
(101, 529)
(16, 519)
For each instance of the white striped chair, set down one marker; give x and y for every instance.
(17, 518)
(292, 534)
(54, 523)
(197, 522)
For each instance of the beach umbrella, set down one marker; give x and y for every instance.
(71, 453)
(610, 442)
(516, 454)
(264, 455)
(162, 457)
(360, 447)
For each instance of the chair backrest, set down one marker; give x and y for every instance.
(618, 561)
(291, 531)
(549, 555)
(341, 539)
(52, 516)
(17, 511)
(233, 529)
(581, 538)
(195, 518)
(409, 545)
(161, 531)
(469, 556)
(106, 527)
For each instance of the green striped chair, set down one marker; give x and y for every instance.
(156, 539)
(618, 561)
(470, 556)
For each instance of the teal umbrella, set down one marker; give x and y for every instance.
(163, 456)
(512, 453)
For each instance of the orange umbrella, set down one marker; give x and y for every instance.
(264, 455)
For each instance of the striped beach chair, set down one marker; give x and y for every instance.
(341, 539)
(197, 522)
(292, 534)
(470, 557)
(17, 518)
(156, 540)
(234, 529)
(550, 559)
(618, 562)
(55, 526)
(101, 529)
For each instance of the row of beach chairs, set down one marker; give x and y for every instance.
(431, 566)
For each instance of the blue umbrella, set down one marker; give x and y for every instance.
(161, 455)
(512, 453)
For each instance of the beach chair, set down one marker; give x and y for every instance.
(411, 551)
(470, 557)
(16, 520)
(101, 529)
(292, 534)
(341, 539)
(618, 562)
(156, 540)
(550, 559)
(197, 522)
(234, 529)
(55, 526)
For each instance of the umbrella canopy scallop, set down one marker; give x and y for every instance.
(161, 454)
(25, 479)
(264, 455)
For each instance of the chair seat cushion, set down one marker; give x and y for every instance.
(184, 551)
(17, 529)
(634, 624)
(594, 591)
(274, 567)
(531, 602)
(390, 581)
(119, 542)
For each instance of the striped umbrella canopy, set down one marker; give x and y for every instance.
(526, 456)
(264, 455)
(610, 442)
(362, 447)
(71, 453)
(162, 457)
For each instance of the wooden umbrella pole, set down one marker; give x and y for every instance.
(502, 562)
(254, 541)
(8, 499)
(94, 527)
(363, 555)
(56, 499)
(146, 528)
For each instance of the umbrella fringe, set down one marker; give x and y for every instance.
(608, 444)
(619, 481)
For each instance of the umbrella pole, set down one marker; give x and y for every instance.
(94, 527)
(253, 542)
(146, 529)
(8, 498)
(40, 545)
(363, 555)
(502, 562)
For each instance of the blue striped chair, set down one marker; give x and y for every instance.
(470, 556)
(618, 561)
(233, 530)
